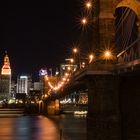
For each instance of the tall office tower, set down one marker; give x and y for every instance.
(5, 79)
(23, 84)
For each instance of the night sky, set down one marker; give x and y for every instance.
(37, 35)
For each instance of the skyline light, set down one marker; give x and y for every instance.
(32, 41)
(6, 69)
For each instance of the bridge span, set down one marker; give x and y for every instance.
(113, 87)
(113, 98)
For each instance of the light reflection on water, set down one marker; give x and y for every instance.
(43, 128)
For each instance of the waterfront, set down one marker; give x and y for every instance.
(63, 127)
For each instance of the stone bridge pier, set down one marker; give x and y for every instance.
(104, 116)
(49, 107)
(113, 106)
(114, 98)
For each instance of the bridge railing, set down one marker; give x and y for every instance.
(131, 53)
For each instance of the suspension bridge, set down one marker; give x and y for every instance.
(113, 88)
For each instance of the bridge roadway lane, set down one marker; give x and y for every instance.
(43, 128)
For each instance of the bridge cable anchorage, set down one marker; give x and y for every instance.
(122, 52)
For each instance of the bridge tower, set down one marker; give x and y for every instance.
(102, 26)
(104, 120)
(103, 17)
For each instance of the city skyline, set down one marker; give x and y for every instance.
(35, 38)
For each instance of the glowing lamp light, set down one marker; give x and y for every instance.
(84, 21)
(46, 77)
(46, 95)
(107, 54)
(74, 69)
(75, 50)
(88, 4)
(83, 64)
(66, 74)
(64, 79)
(68, 80)
(71, 60)
(62, 83)
(63, 68)
(69, 68)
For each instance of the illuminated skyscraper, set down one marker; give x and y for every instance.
(5, 79)
(24, 84)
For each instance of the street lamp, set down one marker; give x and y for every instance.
(107, 55)
(84, 21)
(88, 5)
(75, 50)
(72, 60)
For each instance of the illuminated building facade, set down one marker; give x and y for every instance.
(5, 79)
(24, 84)
(67, 67)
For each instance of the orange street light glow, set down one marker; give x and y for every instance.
(66, 74)
(71, 60)
(88, 5)
(107, 55)
(75, 50)
(84, 21)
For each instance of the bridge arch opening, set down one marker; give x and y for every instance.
(126, 27)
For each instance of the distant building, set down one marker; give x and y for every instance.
(65, 67)
(24, 83)
(5, 79)
(37, 86)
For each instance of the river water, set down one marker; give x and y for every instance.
(62, 127)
